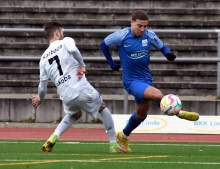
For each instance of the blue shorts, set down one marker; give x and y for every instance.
(136, 89)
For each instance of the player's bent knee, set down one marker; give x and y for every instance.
(142, 116)
(103, 105)
(77, 115)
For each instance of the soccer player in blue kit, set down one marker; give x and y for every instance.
(133, 44)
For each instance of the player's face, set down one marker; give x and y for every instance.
(138, 27)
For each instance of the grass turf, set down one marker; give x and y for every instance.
(95, 155)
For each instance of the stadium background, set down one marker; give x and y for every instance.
(194, 82)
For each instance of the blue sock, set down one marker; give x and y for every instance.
(158, 104)
(132, 124)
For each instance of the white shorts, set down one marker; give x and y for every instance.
(89, 100)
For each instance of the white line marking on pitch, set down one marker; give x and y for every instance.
(99, 161)
(133, 144)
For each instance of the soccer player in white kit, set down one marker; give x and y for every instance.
(64, 65)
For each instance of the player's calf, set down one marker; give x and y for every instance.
(78, 115)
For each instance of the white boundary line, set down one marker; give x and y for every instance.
(133, 144)
(101, 161)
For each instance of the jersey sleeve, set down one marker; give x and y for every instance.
(42, 88)
(43, 73)
(69, 43)
(107, 53)
(116, 38)
(156, 42)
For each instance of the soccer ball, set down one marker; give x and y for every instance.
(170, 105)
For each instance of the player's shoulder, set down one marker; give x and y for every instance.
(45, 54)
(150, 33)
(68, 39)
(119, 35)
(120, 32)
(123, 32)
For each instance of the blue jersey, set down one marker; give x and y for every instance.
(134, 53)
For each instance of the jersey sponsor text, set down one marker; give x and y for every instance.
(138, 54)
(52, 52)
(63, 80)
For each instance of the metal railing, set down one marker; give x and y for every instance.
(153, 59)
(112, 30)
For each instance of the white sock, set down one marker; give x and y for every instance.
(65, 124)
(124, 136)
(109, 124)
(57, 132)
(180, 112)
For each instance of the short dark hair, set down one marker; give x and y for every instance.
(139, 14)
(51, 27)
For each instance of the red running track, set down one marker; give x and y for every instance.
(88, 134)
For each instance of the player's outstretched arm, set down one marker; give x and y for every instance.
(71, 47)
(80, 72)
(35, 101)
(42, 89)
(106, 52)
(77, 55)
(166, 52)
(170, 56)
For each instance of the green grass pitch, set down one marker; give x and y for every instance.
(95, 155)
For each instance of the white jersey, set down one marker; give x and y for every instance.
(58, 64)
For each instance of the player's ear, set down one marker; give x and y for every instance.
(57, 33)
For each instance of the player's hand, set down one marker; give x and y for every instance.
(170, 56)
(35, 101)
(80, 72)
(116, 68)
